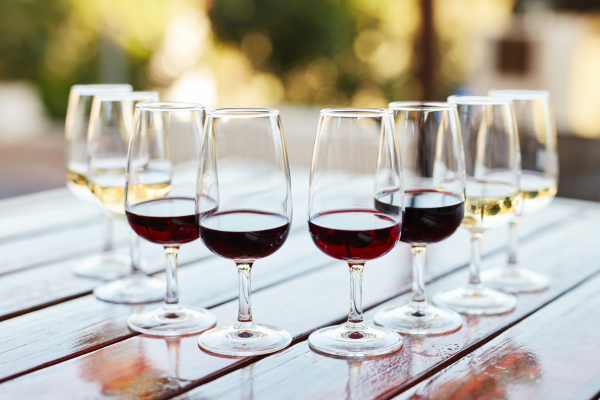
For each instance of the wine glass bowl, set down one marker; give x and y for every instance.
(492, 165)
(160, 204)
(244, 170)
(434, 182)
(538, 184)
(355, 214)
(76, 133)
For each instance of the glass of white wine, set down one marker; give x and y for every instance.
(76, 162)
(539, 182)
(493, 167)
(111, 124)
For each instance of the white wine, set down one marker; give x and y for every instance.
(77, 181)
(109, 188)
(106, 181)
(489, 204)
(538, 191)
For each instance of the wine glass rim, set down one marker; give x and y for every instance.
(169, 106)
(421, 106)
(479, 100)
(247, 112)
(351, 112)
(101, 88)
(137, 95)
(520, 94)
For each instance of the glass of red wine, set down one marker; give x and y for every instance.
(355, 214)
(244, 169)
(160, 205)
(434, 180)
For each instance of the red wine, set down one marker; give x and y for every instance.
(166, 221)
(430, 216)
(355, 235)
(244, 234)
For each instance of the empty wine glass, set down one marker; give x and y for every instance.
(160, 203)
(244, 169)
(356, 201)
(110, 128)
(539, 179)
(434, 189)
(108, 265)
(493, 166)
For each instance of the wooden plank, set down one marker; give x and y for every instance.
(53, 246)
(300, 305)
(551, 354)
(42, 212)
(299, 373)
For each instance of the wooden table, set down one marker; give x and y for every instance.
(58, 341)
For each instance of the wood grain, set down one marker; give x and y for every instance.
(53, 246)
(299, 373)
(300, 305)
(553, 354)
(42, 212)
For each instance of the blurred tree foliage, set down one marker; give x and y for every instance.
(327, 51)
(27, 29)
(356, 52)
(58, 43)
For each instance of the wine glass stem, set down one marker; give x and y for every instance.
(475, 264)
(355, 319)
(513, 243)
(135, 254)
(245, 310)
(172, 296)
(418, 302)
(108, 236)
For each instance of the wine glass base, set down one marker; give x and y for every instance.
(476, 300)
(251, 341)
(429, 320)
(132, 290)
(515, 280)
(104, 267)
(341, 341)
(172, 321)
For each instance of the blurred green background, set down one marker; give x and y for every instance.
(298, 56)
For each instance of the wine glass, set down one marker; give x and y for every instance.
(539, 181)
(160, 206)
(111, 123)
(356, 200)
(493, 167)
(108, 265)
(434, 191)
(244, 169)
